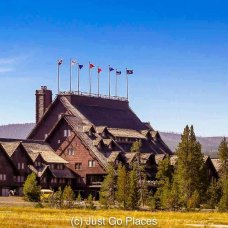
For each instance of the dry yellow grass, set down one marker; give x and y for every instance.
(43, 217)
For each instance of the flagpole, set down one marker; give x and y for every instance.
(109, 93)
(89, 80)
(127, 82)
(70, 74)
(98, 81)
(58, 75)
(78, 77)
(116, 84)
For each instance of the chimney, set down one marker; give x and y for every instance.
(43, 100)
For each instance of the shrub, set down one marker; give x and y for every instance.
(31, 189)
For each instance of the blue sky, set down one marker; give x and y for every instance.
(178, 50)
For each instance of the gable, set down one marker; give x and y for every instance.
(48, 120)
(6, 164)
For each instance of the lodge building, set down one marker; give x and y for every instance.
(75, 138)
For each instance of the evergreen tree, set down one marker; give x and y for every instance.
(189, 171)
(90, 203)
(173, 201)
(144, 189)
(134, 190)
(213, 195)
(79, 197)
(164, 176)
(68, 196)
(223, 156)
(107, 192)
(136, 146)
(58, 198)
(31, 190)
(122, 185)
(151, 203)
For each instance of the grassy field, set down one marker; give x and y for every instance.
(43, 217)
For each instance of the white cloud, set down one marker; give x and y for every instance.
(7, 64)
(5, 69)
(6, 61)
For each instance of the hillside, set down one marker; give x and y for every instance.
(209, 144)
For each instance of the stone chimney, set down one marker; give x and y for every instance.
(43, 100)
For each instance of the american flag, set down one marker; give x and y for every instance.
(73, 62)
(118, 72)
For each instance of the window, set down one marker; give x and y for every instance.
(78, 165)
(91, 163)
(37, 163)
(44, 180)
(59, 166)
(2, 177)
(67, 133)
(70, 151)
(19, 179)
(20, 165)
(61, 180)
(54, 180)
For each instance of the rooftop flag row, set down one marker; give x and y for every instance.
(73, 62)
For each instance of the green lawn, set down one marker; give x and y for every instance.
(43, 217)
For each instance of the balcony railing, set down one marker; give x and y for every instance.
(79, 93)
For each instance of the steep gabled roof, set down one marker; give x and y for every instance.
(8, 158)
(144, 157)
(88, 143)
(125, 133)
(10, 147)
(44, 150)
(113, 156)
(130, 156)
(217, 164)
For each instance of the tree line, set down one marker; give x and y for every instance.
(183, 185)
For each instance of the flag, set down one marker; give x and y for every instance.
(80, 66)
(129, 71)
(99, 70)
(60, 61)
(111, 69)
(73, 62)
(91, 66)
(118, 72)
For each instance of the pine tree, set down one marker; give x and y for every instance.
(31, 190)
(189, 171)
(136, 146)
(223, 156)
(144, 189)
(164, 176)
(58, 198)
(122, 185)
(68, 196)
(213, 194)
(134, 190)
(107, 192)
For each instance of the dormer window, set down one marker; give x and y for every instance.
(37, 163)
(110, 146)
(67, 133)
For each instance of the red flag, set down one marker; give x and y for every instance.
(91, 66)
(99, 70)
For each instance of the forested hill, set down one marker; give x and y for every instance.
(209, 144)
(16, 131)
